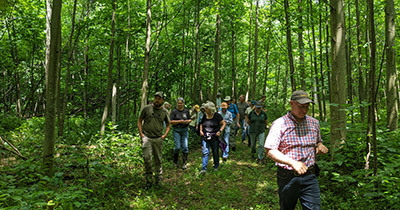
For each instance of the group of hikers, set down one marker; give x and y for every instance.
(293, 140)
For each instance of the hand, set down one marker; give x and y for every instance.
(163, 137)
(141, 135)
(299, 167)
(218, 133)
(321, 148)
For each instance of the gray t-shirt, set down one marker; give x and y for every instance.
(153, 119)
(242, 108)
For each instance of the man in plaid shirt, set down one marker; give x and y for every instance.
(293, 141)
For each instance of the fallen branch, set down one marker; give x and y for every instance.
(15, 150)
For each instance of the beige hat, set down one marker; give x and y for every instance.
(301, 97)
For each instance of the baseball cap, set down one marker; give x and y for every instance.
(259, 104)
(301, 97)
(159, 93)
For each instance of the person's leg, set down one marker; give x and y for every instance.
(253, 145)
(310, 196)
(243, 130)
(261, 141)
(289, 191)
(206, 153)
(225, 136)
(185, 148)
(147, 156)
(232, 136)
(177, 143)
(215, 151)
(157, 145)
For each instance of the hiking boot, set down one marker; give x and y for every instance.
(184, 161)
(176, 156)
(224, 159)
(203, 171)
(215, 169)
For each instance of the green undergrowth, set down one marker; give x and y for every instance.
(93, 172)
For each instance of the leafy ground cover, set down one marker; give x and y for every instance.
(107, 173)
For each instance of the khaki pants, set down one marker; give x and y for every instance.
(152, 148)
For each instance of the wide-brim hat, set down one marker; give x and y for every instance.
(259, 104)
(159, 93)
(301, 97)
(227, 98)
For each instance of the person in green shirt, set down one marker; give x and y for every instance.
(257, 119)
(151, 125)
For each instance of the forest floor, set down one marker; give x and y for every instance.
(240, 183)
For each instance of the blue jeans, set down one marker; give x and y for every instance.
(181, 139)
(225, 137)
(291, 188)
(260, 138)
(207, 145)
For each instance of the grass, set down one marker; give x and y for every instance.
(240, 183)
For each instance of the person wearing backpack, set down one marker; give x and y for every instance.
(232, 108)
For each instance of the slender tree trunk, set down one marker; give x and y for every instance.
(67, 78)
(314, 55)
(233, 54)
(110, 73)
(361, 95)
(53, 64)
(253, 88)
(216, 52)
(391, 88)
(349, 77)
(146, 56)
(301, 48)
(266, 65)
(289, 46)
(372, 99)
(322, 68)
(197, 85)
(249, 56)
(338, 83)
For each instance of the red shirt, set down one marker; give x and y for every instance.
(296, 140)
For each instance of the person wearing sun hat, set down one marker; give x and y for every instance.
(293, 142)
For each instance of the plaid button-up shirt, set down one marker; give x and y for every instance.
(296, 140)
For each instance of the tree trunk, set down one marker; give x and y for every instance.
(349, 77)
(233, 54)
(253, 88)
(338, 79)
(110, 73)
(197, 85)
(266, 64)
(391, 88)
(146, 55)
(53, 64)
(249, 56)
(301, 48)
(314, 55)
(289, 46)
(322, 68)
(64, 98)
(216, 53)
(372, 96)
(361, 95)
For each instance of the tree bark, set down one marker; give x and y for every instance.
(110, 73)
(249, 56)
(233, 54)
(146, 55)
(253, 88)
(216, 52)
(361, 95)
(289, 46)
(301, 48)
(338, 78)
(391, 88)
(53, 64)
